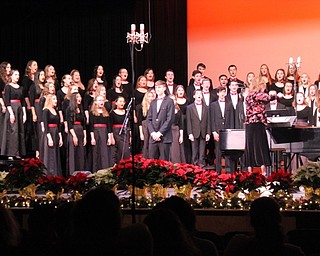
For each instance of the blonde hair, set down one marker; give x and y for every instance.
(69, 91)
(145, 104)
(45, 90)
(46, 70)
(95, 111)
(48, 104)
(98, 90)
(258, 84)
(80, 84)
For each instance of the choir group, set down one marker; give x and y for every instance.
(72, 127)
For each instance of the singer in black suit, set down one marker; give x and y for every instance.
(222, 117)
(160, 119)
(232, 69)
(198, 127)
(195, 85)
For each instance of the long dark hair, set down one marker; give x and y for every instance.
(73, 106)
(3, 72)
(37, 81)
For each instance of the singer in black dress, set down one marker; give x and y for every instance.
(99, 75)
(49, 89)
(116, 90)
(303, 111)
(102, 91)
(142, 113)
(177, 147)
(101, 135)
(13, 140)
(34, 97)
(183, 102)
(256, 147)
(26, 82)
(77, 136)
(5, 73)
(53, 137)
(120, 130)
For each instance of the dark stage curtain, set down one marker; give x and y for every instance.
(81, 34)
(168, 46)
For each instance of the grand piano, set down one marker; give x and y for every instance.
(292, 138)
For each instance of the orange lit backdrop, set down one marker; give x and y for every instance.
(248, 33)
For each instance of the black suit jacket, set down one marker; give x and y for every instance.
(173, 89)
(240, 115)
(161, 121)
(194, 125)
(218, 122)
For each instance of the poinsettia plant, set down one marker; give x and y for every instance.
(26, 172)
(80, 182)
(280, 180)
(104, 177)
(124, 172)
(226, 182)
(206, 180)
(182, 174)
(54, 184)
(249, 181)
(156, 171)
(308, 175)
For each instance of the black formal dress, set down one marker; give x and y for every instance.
(177, 150)
(26, 83)
(34, 97)
(256, 146)
(122, 140)
(186, 141)
(2, 115)
(101, 152)
(13, 137)
(76, 154)
(142, 121)
(51, 155)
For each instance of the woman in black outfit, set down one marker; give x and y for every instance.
(183, 102)
(256, 152)
(34, 97)
(303, 111)
(142, 113)
(49, 89)
(279, 80)
(99, 75)
(122, 139)
(77, 136)
(53, 138)
(177, 147)
(26, 82)
(116, 90)
(5, 73)
(101, 135)
(13, 140)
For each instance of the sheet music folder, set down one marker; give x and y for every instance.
(280, 118)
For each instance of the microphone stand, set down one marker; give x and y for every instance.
(126, 118)
(130, 109)
(134, 38)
